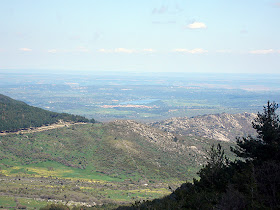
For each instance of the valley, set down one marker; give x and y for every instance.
(105, 161)
(113, 163)
(139, 105)
(101, 163)
(143, 143)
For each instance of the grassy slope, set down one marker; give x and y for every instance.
(94, 163)
(91, 148)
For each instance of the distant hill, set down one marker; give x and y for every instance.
(16, 115)
(223, 127)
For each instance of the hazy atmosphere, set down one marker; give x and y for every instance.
(139, 104)
(149, 35)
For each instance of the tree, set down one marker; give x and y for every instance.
(213, 174)
(250, 184)
(268, 125)
(55, 207)
(267, 144)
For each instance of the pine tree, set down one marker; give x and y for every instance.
(267, 144)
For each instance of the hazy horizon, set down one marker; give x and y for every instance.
(141, 36)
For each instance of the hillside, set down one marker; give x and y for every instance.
(115, 162)
(16, 115)
(223, 127)
(120, 161)
(251, 182)
(115, 149)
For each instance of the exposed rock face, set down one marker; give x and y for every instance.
(145, 130)
(165, 140)
(151, 134)
(223, 127)
(187, 138)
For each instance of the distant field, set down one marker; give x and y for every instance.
(103, 96)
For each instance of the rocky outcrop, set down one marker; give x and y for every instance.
(165, 140)
(223, 127)
(151, 134)
(145, 131)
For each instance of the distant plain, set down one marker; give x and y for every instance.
(140, 96)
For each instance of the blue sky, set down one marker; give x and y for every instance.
(240, 36)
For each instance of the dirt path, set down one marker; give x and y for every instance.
(60, 124)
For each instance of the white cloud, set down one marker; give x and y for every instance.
(197, 25)
(78, 49)
(181, 50)
(105, 50)
(149, 50)
(25, 49)
(52, 51)
(117, 50)
(193, 51)
(262, 52)
(124, 50)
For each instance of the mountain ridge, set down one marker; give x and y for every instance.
(222, 127)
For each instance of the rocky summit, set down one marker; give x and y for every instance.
(223, 127)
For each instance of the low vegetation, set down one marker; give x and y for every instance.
(91, 166)
(249, 183)
(94, 164)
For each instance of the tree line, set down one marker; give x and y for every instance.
(16, 115)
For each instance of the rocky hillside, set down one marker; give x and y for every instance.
(223, 127)
(193, 148)
(165, 140)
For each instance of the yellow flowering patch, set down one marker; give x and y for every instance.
(161, 191)
(86, 188)
(33, 171)
(5, 172)
(45, 172)
(88, 180)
